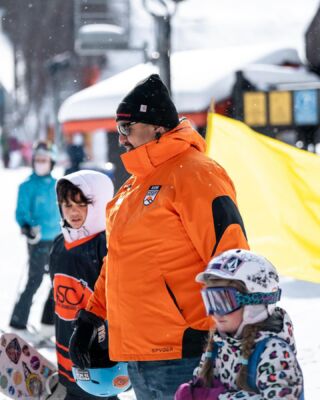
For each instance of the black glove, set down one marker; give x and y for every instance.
(88, 346)
(32, 233)
(28, 231)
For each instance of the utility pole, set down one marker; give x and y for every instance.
(162, 12)
(163, 25)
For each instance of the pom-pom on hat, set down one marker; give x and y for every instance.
(45, 148)
(149, 102)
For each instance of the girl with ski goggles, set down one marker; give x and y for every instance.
(250, 352)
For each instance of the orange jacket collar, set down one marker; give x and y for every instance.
(144, 159)
(71, 245)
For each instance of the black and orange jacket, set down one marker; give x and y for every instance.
(174, 213)
(74, 269)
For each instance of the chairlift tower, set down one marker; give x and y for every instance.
(101, 25)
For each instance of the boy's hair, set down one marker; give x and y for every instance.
(67, 191)
(249, 334)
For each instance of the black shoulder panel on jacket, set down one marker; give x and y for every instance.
(224, 213)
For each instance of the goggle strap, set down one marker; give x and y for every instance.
(258, 298)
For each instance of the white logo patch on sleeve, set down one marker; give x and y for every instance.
(151, 194)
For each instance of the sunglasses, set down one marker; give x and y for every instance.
(225, 300)
(124, 128)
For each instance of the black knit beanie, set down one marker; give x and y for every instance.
(149, 102)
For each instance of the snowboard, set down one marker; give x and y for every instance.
(24, 372)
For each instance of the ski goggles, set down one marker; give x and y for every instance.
(225, 300)
(124, 128)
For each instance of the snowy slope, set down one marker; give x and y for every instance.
(301, 299)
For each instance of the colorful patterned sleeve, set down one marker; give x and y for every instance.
(278, 375)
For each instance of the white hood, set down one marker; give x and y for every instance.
(98, 187)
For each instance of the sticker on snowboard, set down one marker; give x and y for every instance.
(23, 370)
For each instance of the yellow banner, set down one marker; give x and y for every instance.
(278, 191)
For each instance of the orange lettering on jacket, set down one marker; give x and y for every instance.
(70, 295)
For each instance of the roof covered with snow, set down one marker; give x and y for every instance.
(197, 76)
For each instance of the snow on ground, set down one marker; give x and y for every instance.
(301, 299)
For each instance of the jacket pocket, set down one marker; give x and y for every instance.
(172, 299)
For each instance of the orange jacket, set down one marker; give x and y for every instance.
(163, 226)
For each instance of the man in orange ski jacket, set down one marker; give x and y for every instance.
(176, 211)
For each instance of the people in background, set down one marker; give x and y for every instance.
(76, 153)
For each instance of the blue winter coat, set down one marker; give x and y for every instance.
(37, 205)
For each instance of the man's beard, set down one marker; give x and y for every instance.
(127, 146)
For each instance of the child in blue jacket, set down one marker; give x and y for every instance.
(37, 214)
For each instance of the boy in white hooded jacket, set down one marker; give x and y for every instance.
(76, 259)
